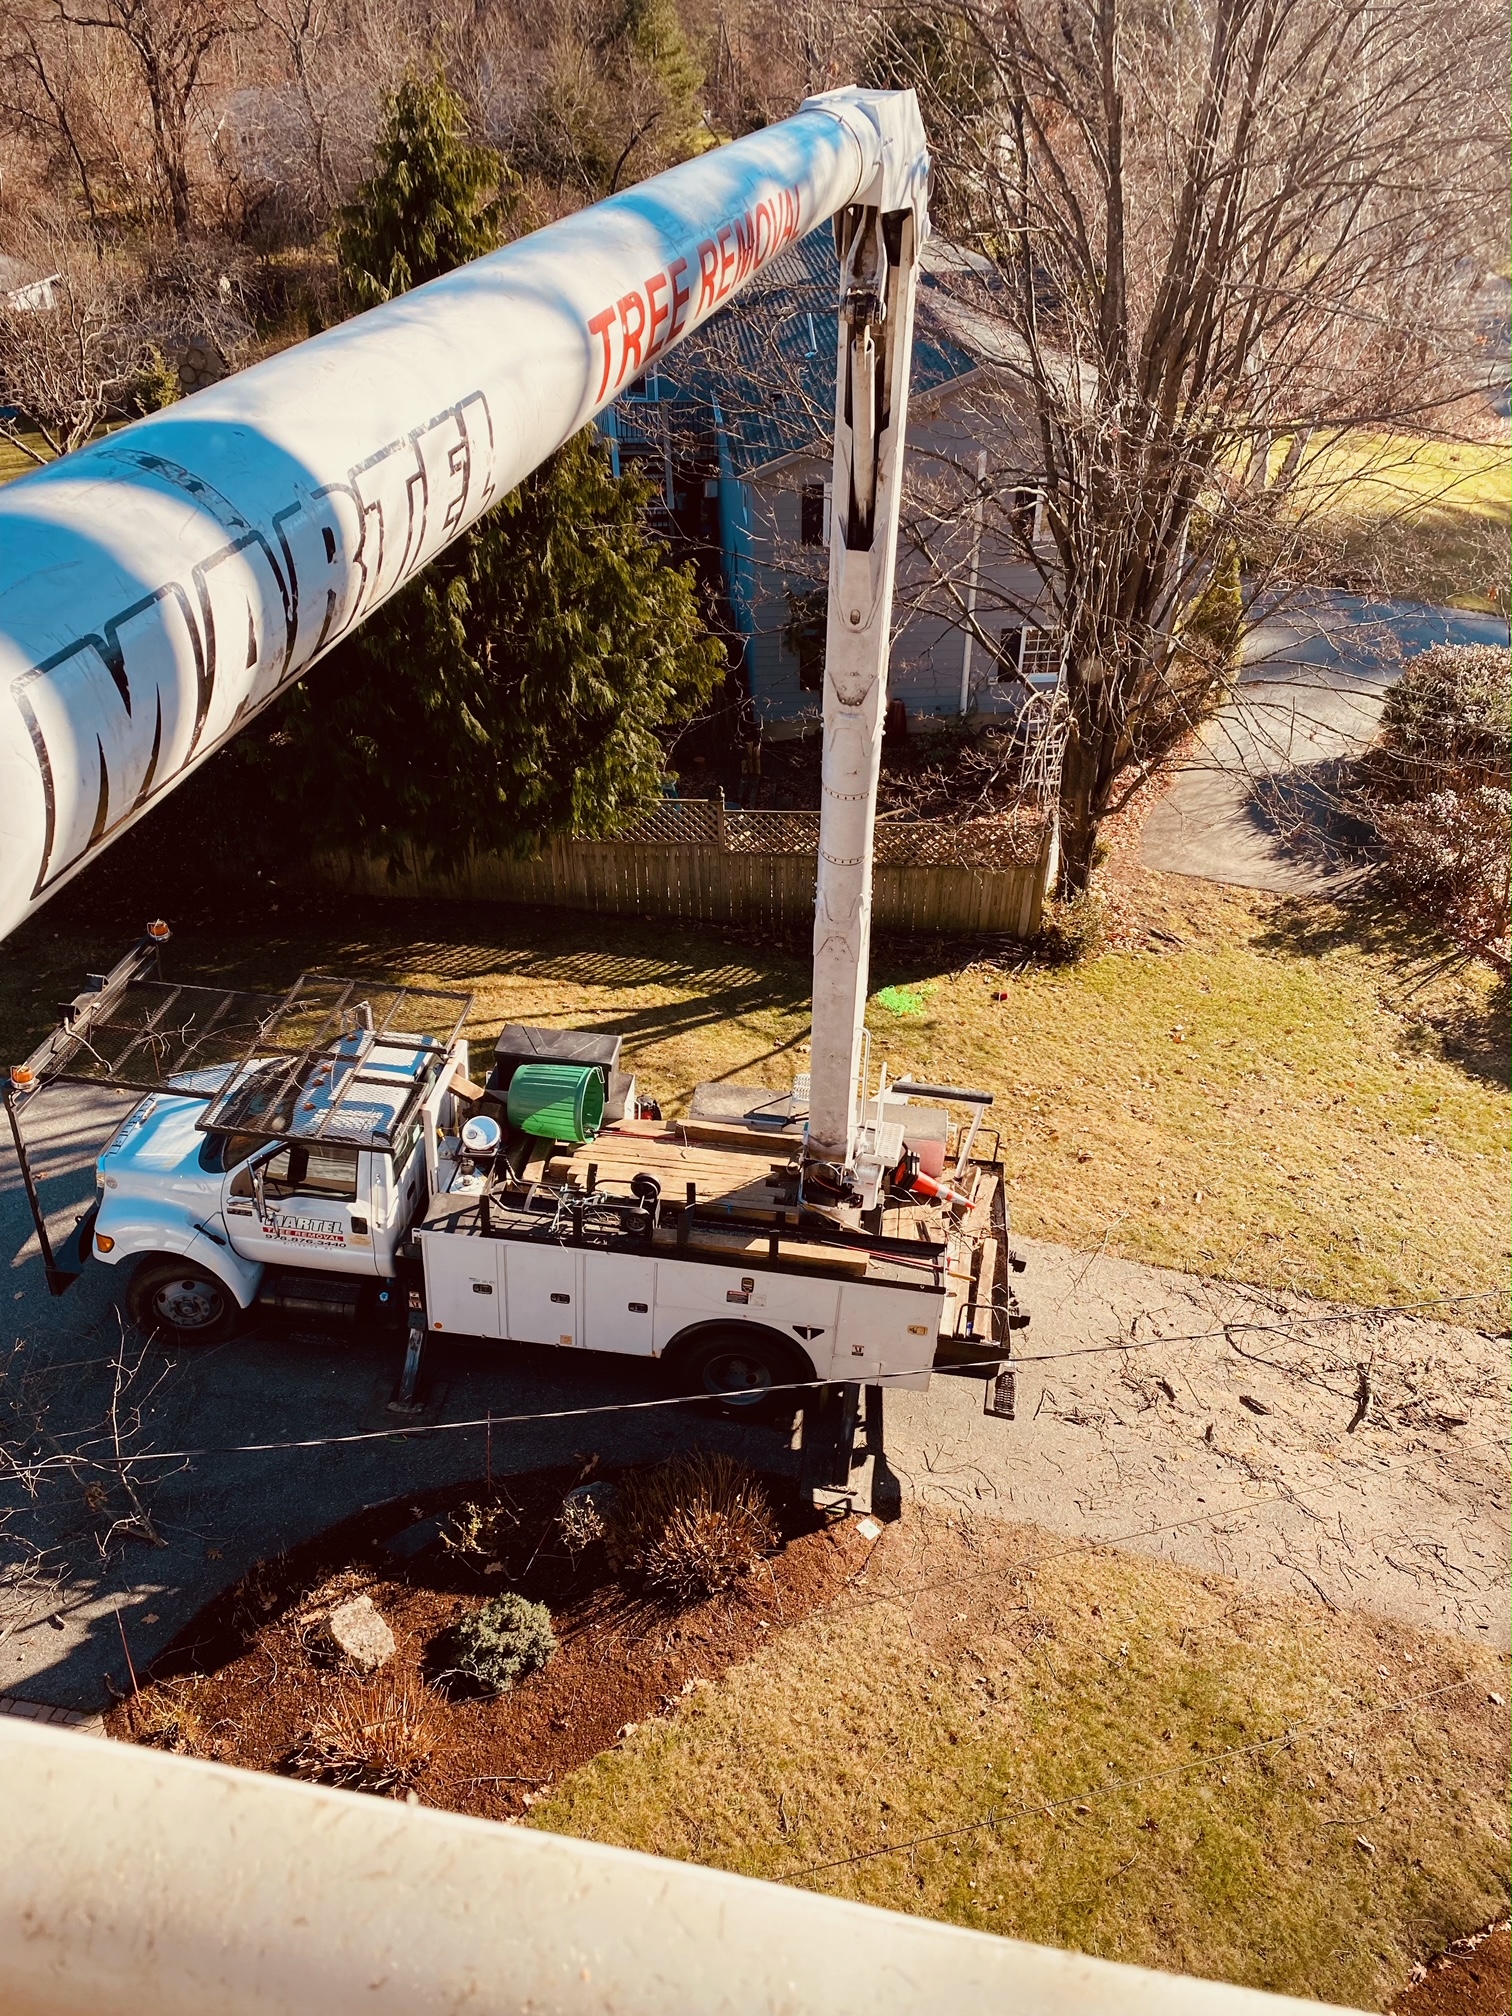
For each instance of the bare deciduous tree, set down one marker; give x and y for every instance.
(168, 41)
(1219, 240)
(64, 368)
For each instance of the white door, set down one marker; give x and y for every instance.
(540, 1294)
(303, 1205)
(464, 1285)
(619, 1294)
(884, 1329)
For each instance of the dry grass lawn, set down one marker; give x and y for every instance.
(1435, 513)
(1097, 1752)
(1262, 1096)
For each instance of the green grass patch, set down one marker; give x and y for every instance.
(1096, 1752)
(1432, 514)
(15, 461)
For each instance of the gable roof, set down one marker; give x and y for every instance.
(762, 371)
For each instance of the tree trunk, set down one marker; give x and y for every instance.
(1078, 816)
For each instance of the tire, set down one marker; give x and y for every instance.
(736, 1366)
(181, 1303)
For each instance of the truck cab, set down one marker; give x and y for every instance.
(289, 1178)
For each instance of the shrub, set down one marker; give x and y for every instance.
(692, 1527)
(1073, 931)
(508, 1638)
(580, 1519)
(370, 1738)
(480, 1530)
(1445, 722)
(158, 1719)
(1449, 853)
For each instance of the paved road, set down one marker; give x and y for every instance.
(1257, 805)
(218, 1514)
(1407, 1516)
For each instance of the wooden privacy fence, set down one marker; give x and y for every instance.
(707, 863)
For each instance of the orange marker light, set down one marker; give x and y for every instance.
(159, 931)
(104, 1243)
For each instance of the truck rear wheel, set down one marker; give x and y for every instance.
(182, 1303)
(742, 1368)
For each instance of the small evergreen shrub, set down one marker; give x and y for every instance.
(508, 1638)
(1445, 723)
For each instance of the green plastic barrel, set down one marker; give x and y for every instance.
(558, 1102)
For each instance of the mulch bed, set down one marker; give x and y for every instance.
(1474, 1978)
(245, 1681)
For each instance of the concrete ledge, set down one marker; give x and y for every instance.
(134, 1880)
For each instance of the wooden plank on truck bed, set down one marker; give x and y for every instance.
(985, 1320)
(733, 1244)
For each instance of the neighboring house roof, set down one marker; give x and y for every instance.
(764, 368)
(23, 288)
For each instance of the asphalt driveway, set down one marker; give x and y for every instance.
(1258, 804)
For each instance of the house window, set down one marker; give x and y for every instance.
(804, 636)
(1024, 513)
(814, 515)
(1029, 656)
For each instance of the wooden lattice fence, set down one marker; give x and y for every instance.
(704, 862)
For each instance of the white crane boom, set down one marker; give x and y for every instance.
(163, 586)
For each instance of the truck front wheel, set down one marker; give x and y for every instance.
(182, 1303)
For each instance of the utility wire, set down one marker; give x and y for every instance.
(662, 1401)
(1049, 1807)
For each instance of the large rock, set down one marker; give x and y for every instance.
(359, 1635)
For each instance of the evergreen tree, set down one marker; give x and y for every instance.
(433, 201)
(648, 39)
(516, 689)
(518, 686)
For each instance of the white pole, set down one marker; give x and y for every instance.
(971, 584)
(160, 588)
(134, 1881)
(880, 239)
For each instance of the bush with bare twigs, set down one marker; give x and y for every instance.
(691, 1528)
(377, 1737)
(1435, 784)
(481, 1532)
(158, 1718)
(1449, 854)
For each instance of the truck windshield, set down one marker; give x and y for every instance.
(220, 1152)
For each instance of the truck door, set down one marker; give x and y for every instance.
(540, 1297)
(303, 1204)
(619, 1293)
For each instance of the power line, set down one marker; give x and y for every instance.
(1049, 1807)
(490, 1421)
